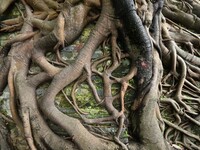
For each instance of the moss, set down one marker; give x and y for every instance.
(86, 33)
(9, 14)
(95, 112)
(115, 89)
(84, 96)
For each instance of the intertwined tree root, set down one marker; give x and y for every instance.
(159, 38)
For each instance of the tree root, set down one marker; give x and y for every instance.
(140, 34)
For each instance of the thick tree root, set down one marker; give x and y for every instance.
(144, 34)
